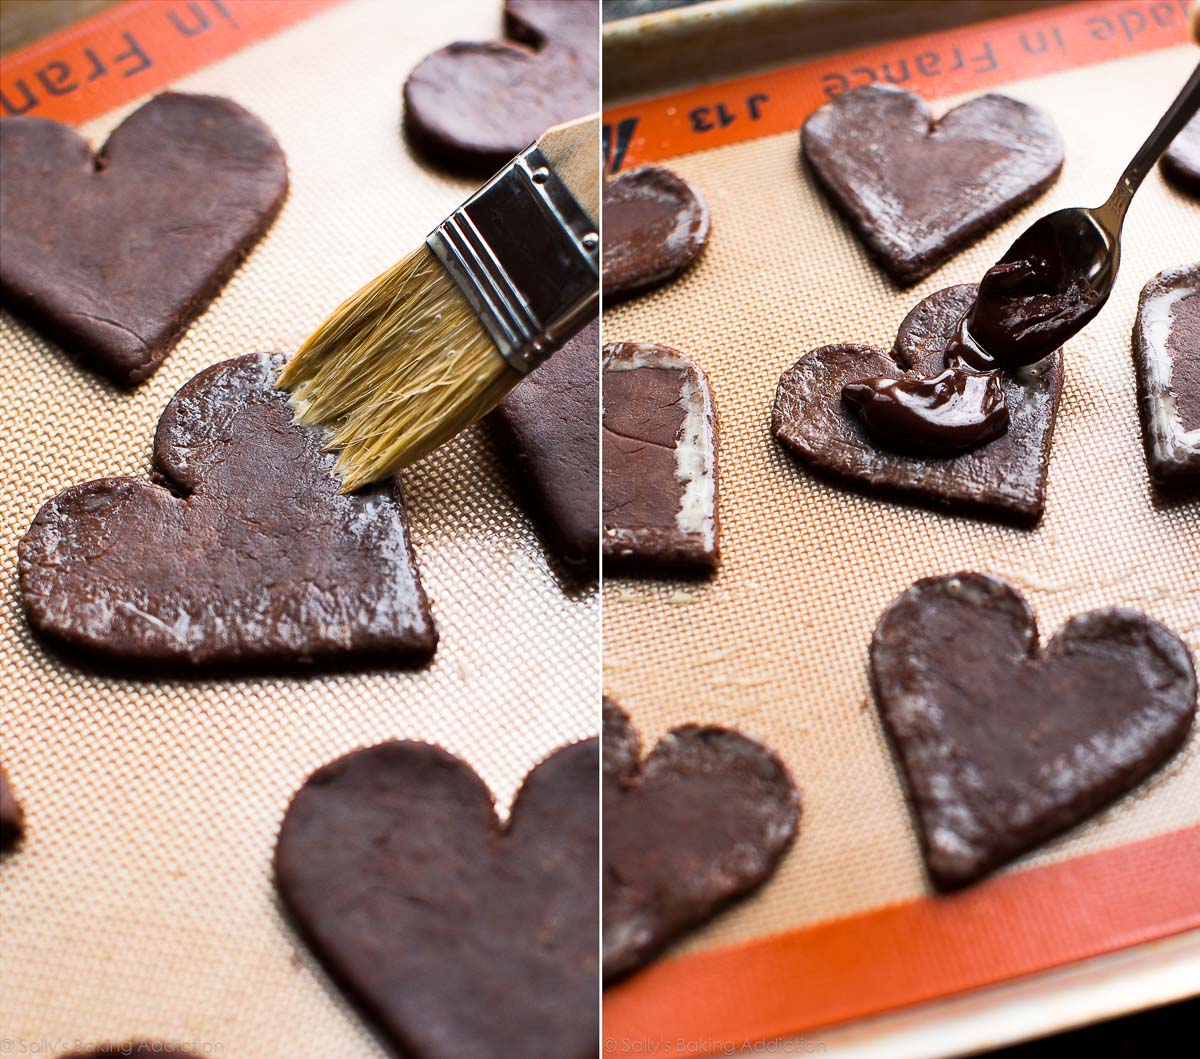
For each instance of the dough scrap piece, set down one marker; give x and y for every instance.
(655, 225)
(551, 425)
(1166, 359)
(1181, 162)
(659, 479)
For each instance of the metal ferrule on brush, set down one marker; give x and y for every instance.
(526, 258)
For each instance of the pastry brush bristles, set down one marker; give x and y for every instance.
(399, 368)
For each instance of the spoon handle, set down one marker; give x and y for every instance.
(1178, 114)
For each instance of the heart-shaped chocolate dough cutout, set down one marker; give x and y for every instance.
(113, 255)
(655, 225)
(1166, 358)
(1004, 479)
(465, 939)
(473, 106)
(704, 819)
(917, 191)
(1004, 746)
(246, 554)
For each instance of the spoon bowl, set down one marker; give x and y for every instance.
(1047, 287)
(1057, 276)
(1090, 250)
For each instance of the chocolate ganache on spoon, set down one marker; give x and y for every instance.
(1049, 285)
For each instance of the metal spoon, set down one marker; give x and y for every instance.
(1057, 276)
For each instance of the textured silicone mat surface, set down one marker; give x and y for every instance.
(776, 643)
(141, 902)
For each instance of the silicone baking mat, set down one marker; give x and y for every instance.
(141, 902)
(775, 644)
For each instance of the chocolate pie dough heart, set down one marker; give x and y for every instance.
(244, 554)
(1004, 479)
(1003, 745)
(113, 255)
(472, 106)
(916, 190)
(464, 938)
(704, 819)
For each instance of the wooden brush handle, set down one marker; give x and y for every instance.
(573, 151)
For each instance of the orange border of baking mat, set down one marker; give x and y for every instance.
(134, 48)
(908, 953)
(1011, 926)
(965, 59)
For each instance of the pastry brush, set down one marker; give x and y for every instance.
(436, 341)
